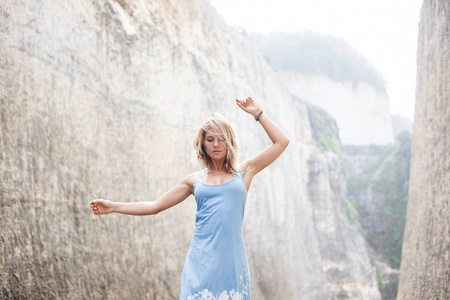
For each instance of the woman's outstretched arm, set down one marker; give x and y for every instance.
(254, 165)
(170, 198)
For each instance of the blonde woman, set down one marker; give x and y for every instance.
(216, 264)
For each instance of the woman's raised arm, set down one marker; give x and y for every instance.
(254, 165)
(170, 198)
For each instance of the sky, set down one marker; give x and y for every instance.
(385, 32)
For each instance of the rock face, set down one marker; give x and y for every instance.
(425, 271)
(103, 99)
(360, 162)
(339, 241)
(349, 104)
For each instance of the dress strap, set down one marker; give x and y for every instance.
(199, 177)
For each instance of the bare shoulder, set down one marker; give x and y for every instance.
(190, 179)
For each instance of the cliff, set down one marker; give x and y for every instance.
(103, 99)
(327, 72)
(425, 272)
(361, 111)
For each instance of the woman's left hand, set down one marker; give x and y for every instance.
(249, 106)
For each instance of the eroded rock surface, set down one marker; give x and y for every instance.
(425, 267)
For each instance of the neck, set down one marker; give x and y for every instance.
(217, 165)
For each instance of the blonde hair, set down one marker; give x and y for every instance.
(217, 124)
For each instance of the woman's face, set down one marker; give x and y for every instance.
(215, 146)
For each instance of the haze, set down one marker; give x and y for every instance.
(383, 31)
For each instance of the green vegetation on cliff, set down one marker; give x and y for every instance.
(325, 130)
(353, 214)
(393, 182)
(386, 180)
(308, 52)
(377, 184)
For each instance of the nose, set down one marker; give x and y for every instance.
(216, 142)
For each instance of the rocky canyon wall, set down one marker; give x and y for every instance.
(361, 111)
(425, 267)
(103, 99)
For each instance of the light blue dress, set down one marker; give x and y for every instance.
(216, 266)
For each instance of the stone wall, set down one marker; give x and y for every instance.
(425, 272)
(103, 99)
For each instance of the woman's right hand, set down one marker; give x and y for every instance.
(101, 206)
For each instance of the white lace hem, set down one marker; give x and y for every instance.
(227, 295)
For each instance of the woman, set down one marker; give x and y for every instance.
(216, 264)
